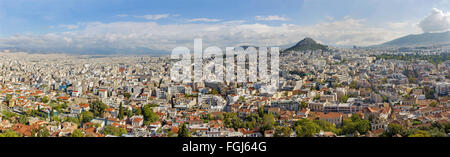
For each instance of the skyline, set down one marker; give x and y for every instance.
(96, 25)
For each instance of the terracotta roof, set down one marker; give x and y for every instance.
(83, 105)
(331, 115)
(137, 119)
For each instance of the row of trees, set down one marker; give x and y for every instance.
(111, 130)
(435, 130)
(308, 128)
(355, 124)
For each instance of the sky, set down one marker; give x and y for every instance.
(89, 25)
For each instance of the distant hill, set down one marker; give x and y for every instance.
(307, 44)
(245, 47)
(425, 39)
(92, 51)
(282, 47)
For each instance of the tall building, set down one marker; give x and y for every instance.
(442, 88)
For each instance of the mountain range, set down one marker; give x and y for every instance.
(413, 40)
(425, 39)
(92, 51)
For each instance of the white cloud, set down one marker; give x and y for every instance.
(329, 18)
(70, 26)
(405, 26)
(398, 25)
(154, 17)
(130, 35)
(438, 21)
(204, 20)
(122, 15)
(270, 18)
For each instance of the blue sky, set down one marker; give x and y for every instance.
(265, 22)
(37, 16)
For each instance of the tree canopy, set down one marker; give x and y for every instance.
(98, 108)
(77, 133)
(121, 112)
(86, 116)
(9, 133)
(355, 124)
(183, 131)
(111, 130)
(149, 115)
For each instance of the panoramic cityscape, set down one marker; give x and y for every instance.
(129, 72)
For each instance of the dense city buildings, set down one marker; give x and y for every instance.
(321, 93)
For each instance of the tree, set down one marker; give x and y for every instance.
(355, 123)
(8, 97)
(45, 99)
(218, 117)
(446, 128)
(152, 105)
(52, 112)
(326, 126)
(73, 120)
(98, 108)
(8, 115)
(86, 116)
(242, 99)
(268, 121)
(434, 104)
(261, 111)
(129, 113)
(282, 131)
(343, 99)
(149, 115)
(420, 133)
(250, 124)
(317, 97)
(77, 133)
(9, 133)
(23, 119)
(394, 129)
(306, 128)
(348, 127)
(363, 126)
(436, 132)
(138, 111)
(353, 84)
(227, 119)
(43, 132)
(111, 130)
(206, 117)
(183, 131)
(303, 105)
(121, 112)
(355, 118)
(64, 105)
(232, 121)
(56, 119)
(127, 95)
(237, 122)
